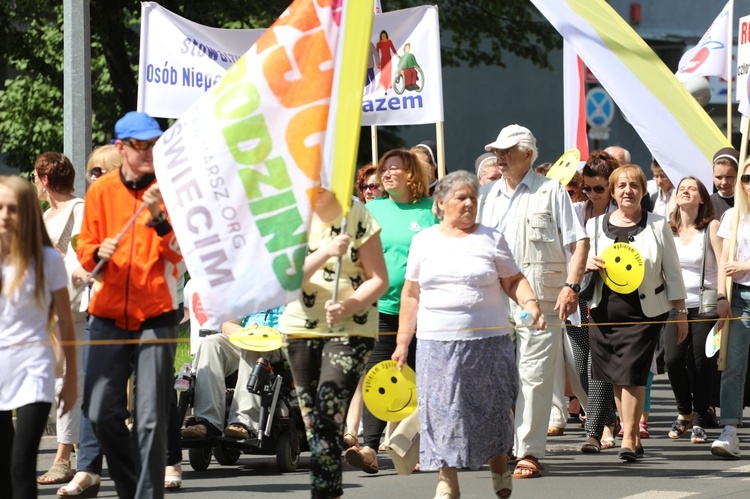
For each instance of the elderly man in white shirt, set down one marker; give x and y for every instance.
(537, 217)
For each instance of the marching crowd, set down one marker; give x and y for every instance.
(507, 278)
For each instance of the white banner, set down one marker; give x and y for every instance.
(743, 65)
(238, 170)
(404, 83)
(709, 57)
(181, 60)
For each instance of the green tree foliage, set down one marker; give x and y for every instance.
(31, 52)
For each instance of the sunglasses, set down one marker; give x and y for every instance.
(599, 189)
(140, 145)
(745, 179)
(503, 152)
(96, 172)
(372, 187)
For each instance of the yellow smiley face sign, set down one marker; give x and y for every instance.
(624, 269)
(565, 167)
(390, 394)
(257, 338)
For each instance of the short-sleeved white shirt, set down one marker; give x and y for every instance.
(27, 366)
(460, 295)
(743, 242)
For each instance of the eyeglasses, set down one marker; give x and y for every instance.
(372, 187)
(32, 176)
(745, 179)
(503, 152)
(140, 145)
(599, 189)
(96, 172)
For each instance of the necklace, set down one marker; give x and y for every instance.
(627, 221)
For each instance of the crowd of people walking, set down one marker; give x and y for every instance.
(504, 276)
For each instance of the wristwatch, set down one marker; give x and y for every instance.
(681, 311)
(161, 217)
(575, 287)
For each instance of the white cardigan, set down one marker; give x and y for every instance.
(662, 282)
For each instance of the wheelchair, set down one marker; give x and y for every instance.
(399, 82)
(281, 430)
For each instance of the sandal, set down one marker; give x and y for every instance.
(528, 467)
(555, 431)
(698, 436)
(76, 487)
(195, 431)
(238, 431)
(643, 430)
(679, 427)
(356, 457)
(350, 440)
(627, 454)
(503, 484)
(590, 447)
(173, 477)
(608, 442)
(59, 472)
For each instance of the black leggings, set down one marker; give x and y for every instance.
(20, 447)
(326, 373)
(372, 427)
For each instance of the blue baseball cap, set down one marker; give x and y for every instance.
(137, 125)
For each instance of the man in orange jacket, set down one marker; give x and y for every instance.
(134, 301)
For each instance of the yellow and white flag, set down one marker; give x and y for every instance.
(674, 127)
(239, 170)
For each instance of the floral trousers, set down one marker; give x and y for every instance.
(326, 373)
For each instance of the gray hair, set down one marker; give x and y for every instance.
(486, 164)
(529, 146)
(449, 184)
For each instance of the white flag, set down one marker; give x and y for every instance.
(709, 57)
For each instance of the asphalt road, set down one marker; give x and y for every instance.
(671, 469)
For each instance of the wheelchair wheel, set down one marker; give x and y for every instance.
(200, 458)
(226, 456)
(420, 80)
(399, 83)
(287, 453)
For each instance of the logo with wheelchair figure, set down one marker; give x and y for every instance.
(388, 69)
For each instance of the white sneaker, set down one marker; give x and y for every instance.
(727, 445)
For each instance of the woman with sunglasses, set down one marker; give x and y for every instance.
(368, 187)
(735, 372)
(102, 160)
(600, 414)
(54, 177)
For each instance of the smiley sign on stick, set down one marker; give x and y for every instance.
(390, 394)
(624, 269)
(257, 338)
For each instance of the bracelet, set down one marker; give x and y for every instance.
(681, 311)
(721, 298)
(531, 299)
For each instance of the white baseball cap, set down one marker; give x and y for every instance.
(510, 136)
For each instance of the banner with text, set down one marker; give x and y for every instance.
(404, 82)
(238, 170)
(181, 60)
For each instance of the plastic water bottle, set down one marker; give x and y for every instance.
(182, 382)
(523, 318)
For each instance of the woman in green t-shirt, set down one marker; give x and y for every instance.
(404, 210)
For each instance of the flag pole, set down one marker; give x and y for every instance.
(439, 132)
(729, 73)
(374, 143)
(722, 361)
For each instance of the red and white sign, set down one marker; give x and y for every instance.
(743, 64)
